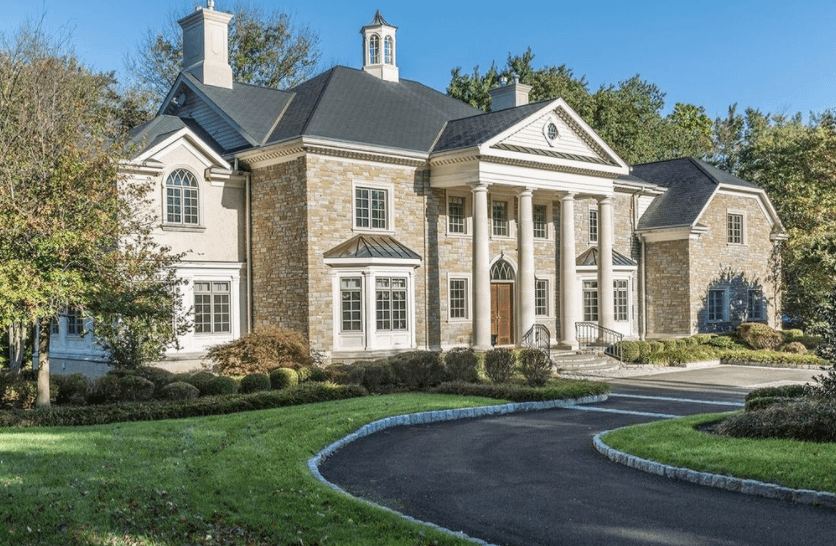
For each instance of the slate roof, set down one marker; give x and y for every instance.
(476, 129)
(351, 105)
(372, 246)
(153, 132)
(690, 184)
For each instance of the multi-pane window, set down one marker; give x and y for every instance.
(370, 208)
(539, 216)
(593, 226)
(374, 49)
(390, 294)
(541, 298)
(75, 323)
(181, 198)
(620, 299)
(754, 308)
(211, 307)
(735, 228)
(389, 50)
(351, 301)
(716, 305)
(455, 215)
(500, 218)
(590, 301)
(458, 298)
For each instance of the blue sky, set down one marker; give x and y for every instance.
(712, 53)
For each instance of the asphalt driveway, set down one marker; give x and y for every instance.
(534, 478)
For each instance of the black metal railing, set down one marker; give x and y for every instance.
(538, 337)
(591, 335)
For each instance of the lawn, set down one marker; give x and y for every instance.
(232, 479)
(790, 463)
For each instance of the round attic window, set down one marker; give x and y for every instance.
(550, 132)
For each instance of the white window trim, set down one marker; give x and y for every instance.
(550, 296)
(212, 281)
(467, 277)
(629, 299)
(468, 214)
(390, 206)
(590, 210)
(512, 216)
(201, 213)
(549, 220)
(744, 240)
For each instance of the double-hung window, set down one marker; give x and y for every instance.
(370, 208)
(351, 302)
(458, 298)
(620, 299)
(734, 224)
(500, 218)
(181, 198)
(541, 297)
(391, 303)
(593, 225)
(716, 305)
(755, 307)
(75, 323)
(540, 225)
(211, 307)
(590, 301)
(455, 215)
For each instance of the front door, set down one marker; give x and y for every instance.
(502, 313)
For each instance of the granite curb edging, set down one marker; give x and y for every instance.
(717, 481)
(435, 416)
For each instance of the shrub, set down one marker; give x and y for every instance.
(255, 382)
(133, 388)
(768, 358)
(657, 346)
(690, 341)
(261, 351)
(179, 390)
(721, 342)
(104, 390)
(553, 390)
(824, 385)
(795, 347)
(535, 367)
(283, 378)
(462, 365)
(760, 336)
(784, 391)
(417, 369)
(703, 339)
(221, 385)
(499, 365)
(72, 389)
(158, 376)
(201, 380)
(630, 351)
(803, 419)
(669, 344)
(345, 374)
(312, 373)
(793, 334)
(16, 392)
(644, 348)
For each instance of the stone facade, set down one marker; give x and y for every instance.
(668, 288)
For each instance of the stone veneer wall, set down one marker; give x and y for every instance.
(668, 290)
(279, 241)
(330, 221)
(715, 263)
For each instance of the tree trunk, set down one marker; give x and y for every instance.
(42, 348)
(17, 345)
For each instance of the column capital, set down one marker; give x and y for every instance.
(568, 196)
(524, 191)
(478, 186)
(605, 199)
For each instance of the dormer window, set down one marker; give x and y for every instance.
(374, 49)
(181, 198)
(389, 50)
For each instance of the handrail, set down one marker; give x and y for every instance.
(538, 337)
(592, 334)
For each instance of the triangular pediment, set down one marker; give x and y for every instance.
(556, 133)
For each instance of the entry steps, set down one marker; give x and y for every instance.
(576, 361)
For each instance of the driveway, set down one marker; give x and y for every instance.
(534, 478)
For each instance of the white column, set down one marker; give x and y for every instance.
(606, 313)
(568, 313)
(370, 301)
(526, 263)
(481, 270)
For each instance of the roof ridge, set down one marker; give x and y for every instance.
(695, 162)
(330, 75)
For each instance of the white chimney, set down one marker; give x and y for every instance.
(206, 46)
(508, 96)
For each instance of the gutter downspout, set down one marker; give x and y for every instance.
(249, 249)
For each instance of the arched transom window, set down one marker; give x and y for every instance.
(389, 50)
(502, 271)
(181, 195)
(374, 49)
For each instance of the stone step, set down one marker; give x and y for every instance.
(567, 361)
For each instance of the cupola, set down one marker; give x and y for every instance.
(206, 45)
(379, 49)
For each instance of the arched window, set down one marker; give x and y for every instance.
(374, 49)
(502, 271)
(389, 50)
(181, 196)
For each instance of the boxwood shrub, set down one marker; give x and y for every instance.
(804, 419)
(417, 370)
(221, 385)
(133, 388)
(255, 382)
(283, 378)
(104, 390)
(500, 364)
(535, 366)
(462, 364)
(201, 380)
(178, 390)
(72, 389)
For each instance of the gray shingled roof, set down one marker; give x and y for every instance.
(153, 132)
(353, 106)
(590, 257)
(372, 246)
(690, 185)
(476, 129)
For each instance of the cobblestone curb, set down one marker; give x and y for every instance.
(425, 417)
(729, 483)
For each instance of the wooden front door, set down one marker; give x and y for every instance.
(502, 313)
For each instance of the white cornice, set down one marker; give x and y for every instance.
(676, 233)
(277, 153)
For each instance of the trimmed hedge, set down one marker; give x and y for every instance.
(221, 385)
(514, 392)
(255, 382)
(806, 420)
(770, 357)
(417, 369)
(283, 378)
(462, 365)
(133, 388)
(178, 390)
(760, 336)
(152, 411)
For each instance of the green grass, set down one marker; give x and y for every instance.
(794, 464)
(232, 479)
